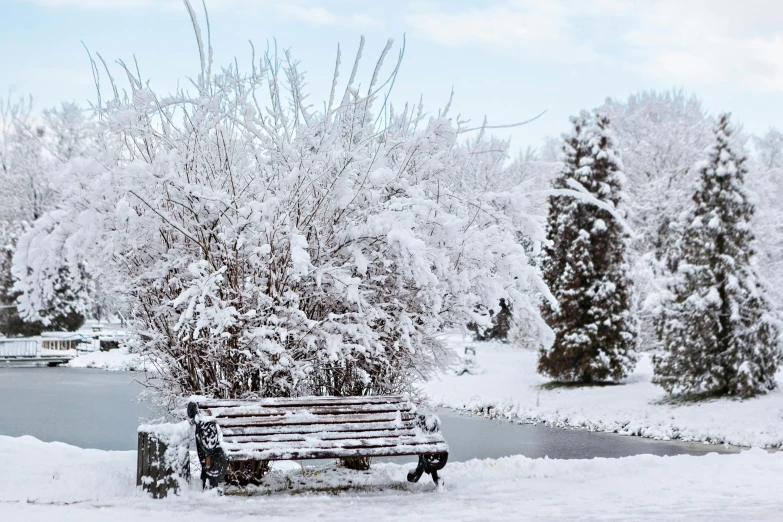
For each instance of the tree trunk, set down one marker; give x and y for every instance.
(156, 472)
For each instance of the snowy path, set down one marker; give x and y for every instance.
(53, 481)
(509, 387)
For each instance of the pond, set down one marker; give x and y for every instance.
(97, 409)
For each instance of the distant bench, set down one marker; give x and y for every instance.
(314, 428)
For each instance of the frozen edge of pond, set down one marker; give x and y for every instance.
(492, 412)
(504, 382)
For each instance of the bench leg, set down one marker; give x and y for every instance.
(214, 469)
(429, 464)
(415, 474)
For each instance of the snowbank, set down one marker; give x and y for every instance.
(52, 472)
(510, 387)
(53, 481)
(119, 360)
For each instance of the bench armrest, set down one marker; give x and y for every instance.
(428, 423)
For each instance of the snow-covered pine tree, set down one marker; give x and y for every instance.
(716, 324)
(585, 266)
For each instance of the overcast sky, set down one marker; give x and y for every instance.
(507, 59)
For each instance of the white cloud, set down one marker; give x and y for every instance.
(304, 11)
(715, 41)
(769, 53)
(313, 15)
(497, 25)
(534, 28)
(320, 16)
(684, 41)
(691, 42)
(106, 4)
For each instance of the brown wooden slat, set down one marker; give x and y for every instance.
(299, 401)
(305, 420)
(305, 454)
(312, 428)
(340, 435)
(253, 411)
(283, 447)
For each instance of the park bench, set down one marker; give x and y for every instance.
(254, 431)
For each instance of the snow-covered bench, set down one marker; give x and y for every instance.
(324, 427)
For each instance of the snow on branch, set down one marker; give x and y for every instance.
(273, 249)
(581, 193)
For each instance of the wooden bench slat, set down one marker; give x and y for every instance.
(298, 401)
(282, 447)
(303, 437)
(314, 453)
(268, 411)
(301, 418)
(312, 428)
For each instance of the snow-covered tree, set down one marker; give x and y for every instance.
(765, 180)
(31, 155)
(488, 170)
(272, 249)
(660, 136)
(11, 324)
(25, 164)
(769, 149)
(585, 265)
(60, 295)
(719, 333)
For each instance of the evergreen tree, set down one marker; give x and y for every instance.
(61, 310)
(718, 331)
(502, 320)
(11, 325)
(584, 264)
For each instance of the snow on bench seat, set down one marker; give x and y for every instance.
(320, 427)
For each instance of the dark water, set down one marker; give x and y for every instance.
(86, 408)
(97, 409)
(476, 437)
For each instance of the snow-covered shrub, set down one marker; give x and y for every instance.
(272, 249)
(585, 263)
(718, 327)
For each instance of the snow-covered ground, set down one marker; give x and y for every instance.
(118, 360)
(53, 481)
(507, 385)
